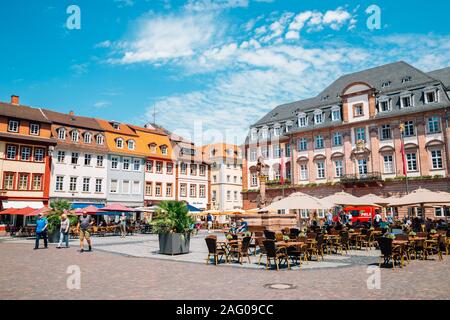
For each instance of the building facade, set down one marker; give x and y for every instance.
(79, 164)
(26, 146)
(352, 133)
(226, 175)
(125, 165)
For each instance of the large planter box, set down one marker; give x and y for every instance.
(53, 237)
(174, 243)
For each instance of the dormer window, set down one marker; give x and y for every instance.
(152, 148)
(131, 144)
(100, 139)
(277, 130)
(358, 110)
(302, 120)
(325, 98)
(406, 79)
(116, 125)
(34, 129)
(230, 152)
(385, 104)
(13, 126)
(212, 153)
(164, 150)
(254, 134)
(386, 84)
(318, 117)
(87, 138)
(406, 100)
(62, 134)
(336, 113)
(431, 96)
(119, 143)
(288, 126)
(75, 136)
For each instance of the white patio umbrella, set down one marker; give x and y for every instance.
(421, 197)
(372, 198)
(347, 199)
(300, 200)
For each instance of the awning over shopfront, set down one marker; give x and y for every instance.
(10, 204)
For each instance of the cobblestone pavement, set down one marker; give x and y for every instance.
(42, 274)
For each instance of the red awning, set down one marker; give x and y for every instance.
(19, 212)
(116, 208)
(89, 210)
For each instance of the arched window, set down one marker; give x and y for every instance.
(119, 143)
(100, 139)
(87, 137)
(62, 134)
(131, 144)
(75, 136)
(164, 150)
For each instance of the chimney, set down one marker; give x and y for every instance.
(71, 113)
(15, 100)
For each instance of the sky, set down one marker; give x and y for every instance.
(205, 69)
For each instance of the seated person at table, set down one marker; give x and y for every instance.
(233, 227)
(243, 227)
(102, 223)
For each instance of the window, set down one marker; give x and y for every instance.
(158, 188)
(74, 159)
(159, 166)
(37, 182)
(201, 191)
(277, 174)
(337, 139)
(302, 121)
(265, 152)
(288, 149)
(153, 148)
(193, 190)
(114, 162)
(320, 170)
(388, 164)
(59, 183)
(202, 170)
(86, 184)
(411, 161)
(386, 132)
(277, 151)
(386, 84)
(87, 159)
(8, 181)
(254, 134)
(169, 169)
(385, 105)
(119, 143)
(34, 129)
(406, 101)
(11, 152)
(336, 114)
(288, 126)
(183, 190)
(339, 168)
(434, 125)
(87, 138)
(319, 142)
(318, 117)
(25, 154)
(193, 169)
(358, 110)
(131, 144)
(302, 144)
(430, 97)
(214, 195)
(183, 168)
(164, 150)
(100, 161)
(74, 136)
(409, 130)
(126, 164)
(253, 155)
(254, 179)
(13, 126)
(214, 178)
(228, 178)
(137, 165)
(265, 133)
(62, 134)
(304, 172)
(235, 179)
(113, 186)
(228, 195)
(360, 134)
(61, 156)
(23, 181)
(126, 187)
(406, 79)
(100, 139)
(235, 196)
(362, 166)
(438, 212)
(73, 184)
(148, 188)
(169, 190)
(137, 187)
(38, 154)
(98, 185)
(116, 125)
(436, 159)
(277, 131)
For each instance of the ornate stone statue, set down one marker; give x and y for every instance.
(261, 169)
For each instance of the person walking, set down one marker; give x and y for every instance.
(209, 219)
(41, 231)
(123, 225)
(64, 231)
(83, 227)
(330, 217)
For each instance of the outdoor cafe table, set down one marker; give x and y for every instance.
(289, 243)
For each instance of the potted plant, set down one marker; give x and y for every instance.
(286, 238)
(390, 236)
(57, 207)
(174, 227)
(412, 234)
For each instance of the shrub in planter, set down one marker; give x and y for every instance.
(174, 226)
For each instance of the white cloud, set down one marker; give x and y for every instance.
(101, 104)
(124, 3)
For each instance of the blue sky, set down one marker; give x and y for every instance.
(214, 65)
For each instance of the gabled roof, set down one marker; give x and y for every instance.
(72, 120)
(22, 112)
(124, 129)
(442, 75)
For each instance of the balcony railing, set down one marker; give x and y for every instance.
(274, 183)
(372, 177)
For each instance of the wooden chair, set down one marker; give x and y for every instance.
(389, 253)
(431, 247)
(279, 237)
(241, 250)
(218, 252)
(262, 249)
(298, 253)
(270, 235)
(293, 233)
(315, 247)
(276, 254)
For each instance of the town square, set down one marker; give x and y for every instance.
(218, 150)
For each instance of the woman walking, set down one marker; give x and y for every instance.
(64, 231)
(123, 225)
